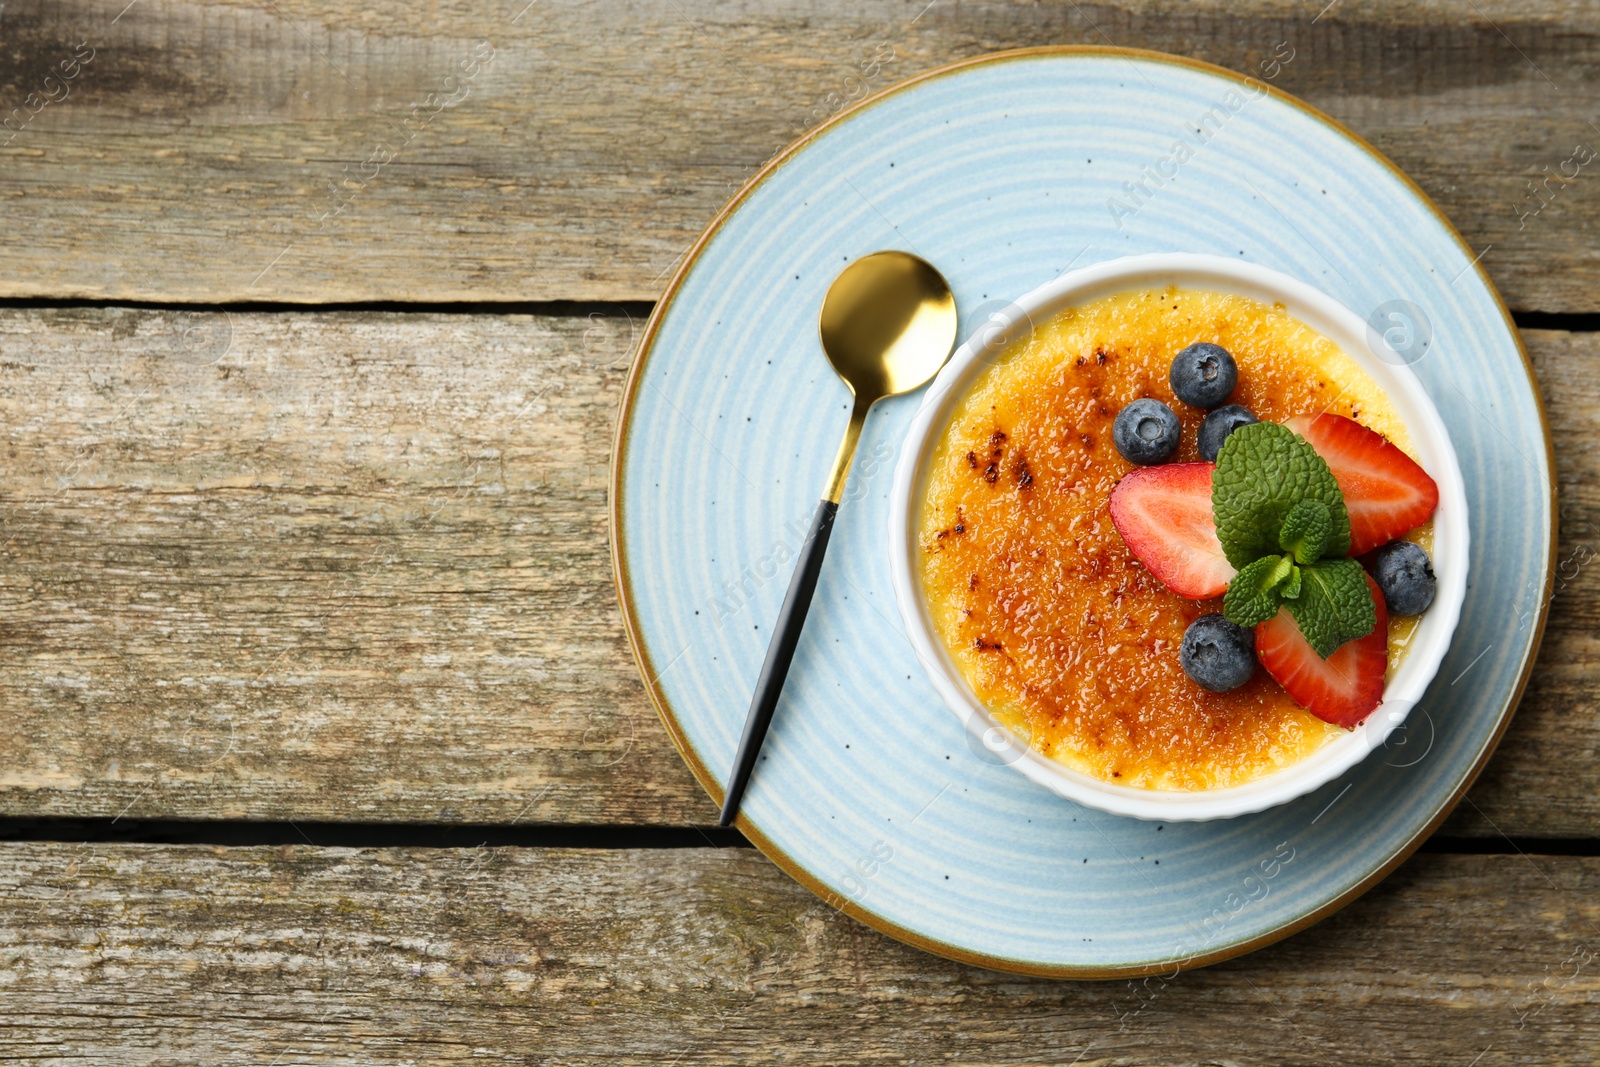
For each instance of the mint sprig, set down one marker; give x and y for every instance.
(1283, 525)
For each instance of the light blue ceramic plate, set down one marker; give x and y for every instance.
(1005, 172)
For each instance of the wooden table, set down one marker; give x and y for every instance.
(322, 739)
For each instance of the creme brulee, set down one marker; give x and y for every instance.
(1059, 630)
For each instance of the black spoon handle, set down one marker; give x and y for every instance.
(785, 636)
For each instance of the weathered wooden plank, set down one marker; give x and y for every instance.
(356, 569)
(139, 954)
(1532, 785)
(309, 151)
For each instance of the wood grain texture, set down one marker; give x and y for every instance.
(355, 568)
(239, 151)
(1557, 728)
(143, 954)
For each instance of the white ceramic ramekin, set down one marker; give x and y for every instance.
(1405, 685)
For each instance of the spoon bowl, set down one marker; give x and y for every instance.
(887, 324)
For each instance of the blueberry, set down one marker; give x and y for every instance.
(1204, 375)
(1405, 574)
(1146, 432)
(1218, 654)
(1218, 425)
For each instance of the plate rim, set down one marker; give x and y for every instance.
(641, 656)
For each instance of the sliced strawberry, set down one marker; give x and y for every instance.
(1385, 491)
(1342, 689)
(1164, 515)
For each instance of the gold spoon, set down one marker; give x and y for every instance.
(887, 325)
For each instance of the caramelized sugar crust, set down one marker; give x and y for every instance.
(1054, 624)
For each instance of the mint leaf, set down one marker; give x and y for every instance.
(1263, 471)
(1334, 605)
(1253, 594)
(1306, 530)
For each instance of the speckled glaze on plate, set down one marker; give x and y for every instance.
(1001, 171)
